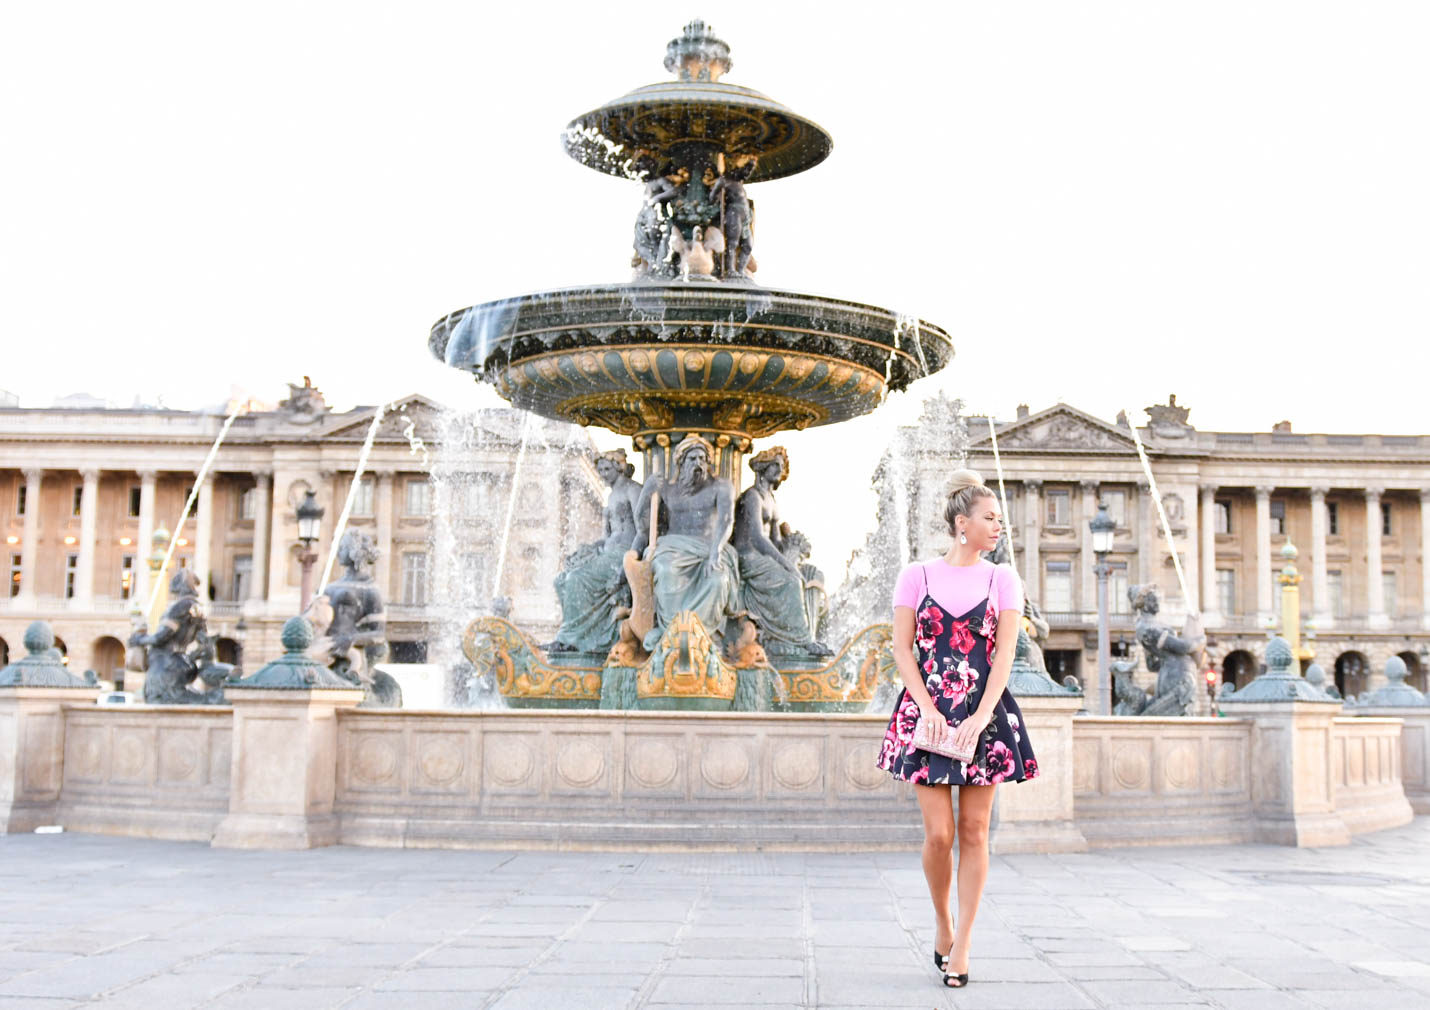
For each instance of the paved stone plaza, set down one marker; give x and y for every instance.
(105, 922)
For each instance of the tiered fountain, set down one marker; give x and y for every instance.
(694, 361)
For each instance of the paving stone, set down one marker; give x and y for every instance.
(712, 992)
(272, 998)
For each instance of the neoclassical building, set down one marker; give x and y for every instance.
(1355, 506)
(83, 489)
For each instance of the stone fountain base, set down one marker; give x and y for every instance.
(686, 672)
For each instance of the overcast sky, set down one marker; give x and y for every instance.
(1102, 202)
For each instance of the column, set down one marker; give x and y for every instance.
(1147, 535)
(88, 527)
(1087, 602)
(1320, 584)
(203, 535)
(258, 577)
(382, 512)
(281, 530)
(1425, 558)
(29, 546)
(1211, 605)
(1032, 530)
(145, 545)
(1264, 603)
(1374, 580)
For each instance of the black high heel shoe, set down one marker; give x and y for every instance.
(952, 981)
(940, 961)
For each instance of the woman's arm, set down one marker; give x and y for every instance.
(911, 675)
(1004, 645)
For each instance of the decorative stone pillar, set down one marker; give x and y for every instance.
(1146, 535)
(1032, 530)
(285, 751)
(382, 511)
(1087, 601)
(203, 535)
(1376, 616)
(1211, 604)
(1292, 750)
(258, 575)
(1264, 611)
(33, 692)
(1320, 581)
(1398, 699)
(29, 545)
(1425, 557)
(147, 482)
(88, 528)
(1037, 816)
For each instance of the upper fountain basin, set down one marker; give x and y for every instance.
(649, 356)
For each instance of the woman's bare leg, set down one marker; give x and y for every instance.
(936, 805)
(975, 805)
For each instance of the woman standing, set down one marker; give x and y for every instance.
(955, 629)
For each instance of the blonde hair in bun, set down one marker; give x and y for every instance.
(965, 488)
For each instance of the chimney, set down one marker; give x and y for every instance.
(1022, 411)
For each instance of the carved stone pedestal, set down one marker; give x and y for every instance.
(1414, 750)
(1037, 816)
(284, 767)
(32, 747)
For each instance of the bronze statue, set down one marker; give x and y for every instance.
(771, 585)
(652, 232)
(693, 566)
(736, 215)
(591, 586)
(180, 656)
(1171, 656)
(350, 622)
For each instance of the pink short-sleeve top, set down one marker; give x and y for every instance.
(958, 589)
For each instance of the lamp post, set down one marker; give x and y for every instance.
(1102, 528)
(240, 635)
(310, 517)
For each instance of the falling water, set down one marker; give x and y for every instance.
(511, 504)
(1161, 513)
(189, 504)
(352, 491)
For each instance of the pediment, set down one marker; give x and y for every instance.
(411, 415)
(1061, 427)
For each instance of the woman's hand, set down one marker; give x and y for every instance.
(966, 733)
(939, 729)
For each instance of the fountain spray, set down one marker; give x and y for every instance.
(241, 408)
(352, 491)
(1161, 512)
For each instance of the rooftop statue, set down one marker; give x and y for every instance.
(305, 403)
(693, 566)
(350, 624)
(1172, 657)
(592, 586)
(180, 656)
(771, 584)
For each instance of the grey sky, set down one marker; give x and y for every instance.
(1228, 198)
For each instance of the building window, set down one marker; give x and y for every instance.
(17, 569)
(1389, 585)
(1058, 587)
(1226, 590)
(20, 493)
(248, 504)
(530, 565)
(1278, 518)
(473, 573)
(134, 496)
(1117, 507)
(362, 497)
(1059, 507)
(126, 576)
(1333, 519)
(1335, 590)
(414, 577)
(1117, 601)
(71, 573)
(1222, 510)
(77, 500)
(1385, 519)
(242, 576)
(418, 498)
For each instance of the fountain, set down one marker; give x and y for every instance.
(693, 361)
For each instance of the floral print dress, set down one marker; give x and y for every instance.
(956, 656)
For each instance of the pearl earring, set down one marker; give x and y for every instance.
(963, 538)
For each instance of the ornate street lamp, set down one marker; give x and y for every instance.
(310, 518)
(1102, 528)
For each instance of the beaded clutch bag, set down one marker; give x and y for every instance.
(923, 741)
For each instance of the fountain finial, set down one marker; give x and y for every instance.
(698, 55)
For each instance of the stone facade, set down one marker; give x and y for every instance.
(1355, 506)
(82, 490)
